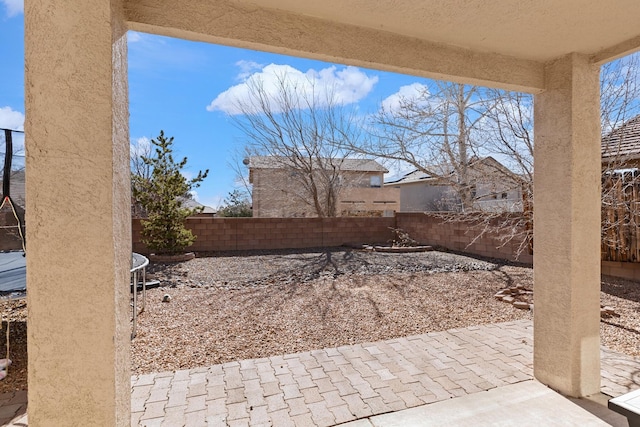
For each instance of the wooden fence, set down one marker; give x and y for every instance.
(621, 217)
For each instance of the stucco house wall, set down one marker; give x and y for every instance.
(422, 196)
(496, 190)
(277, 193)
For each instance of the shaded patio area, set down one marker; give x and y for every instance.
(339, 385)
(78, 144)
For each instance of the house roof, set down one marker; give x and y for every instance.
(345, 164)
(623, 142)
(415, 176)
(418, 175)
(193, 204)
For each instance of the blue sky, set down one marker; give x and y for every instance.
(186, 89)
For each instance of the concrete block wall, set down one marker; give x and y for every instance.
(231, 234)
(624, 270)
(457, 236)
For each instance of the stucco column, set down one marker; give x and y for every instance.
(77, 213)
(566, 256)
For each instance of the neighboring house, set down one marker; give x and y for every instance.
(495, 188)
(137, 211)
(620, 188)
(193, 204)
(278, 188)
(621, 147)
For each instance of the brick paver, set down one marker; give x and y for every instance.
(336, 385)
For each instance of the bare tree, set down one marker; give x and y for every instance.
(294, 128)
(620, 91)
(509, 134)
(238, 164)
(434, 131)
(141, 171)
(446, 125)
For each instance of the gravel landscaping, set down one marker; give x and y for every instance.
(236, 306)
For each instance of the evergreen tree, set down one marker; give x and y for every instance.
(236, 205)
(161, 196)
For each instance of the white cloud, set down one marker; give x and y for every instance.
(247, 68)
(133, 36)
(141, 147)
(11, 119)
(414, 92)
(13, 7)
(343, 86)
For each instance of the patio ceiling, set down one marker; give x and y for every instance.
(500, 43)
(538, 30)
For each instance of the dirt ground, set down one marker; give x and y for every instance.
(238, 306)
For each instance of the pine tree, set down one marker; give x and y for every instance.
(162, 197)
(236, 205)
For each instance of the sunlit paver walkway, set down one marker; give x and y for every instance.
(336, 385)
(332, 386)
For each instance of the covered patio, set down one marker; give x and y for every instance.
(77, 143)
(479, 375)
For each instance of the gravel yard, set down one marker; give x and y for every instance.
(237, 306)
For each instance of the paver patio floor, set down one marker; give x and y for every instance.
(337, 385)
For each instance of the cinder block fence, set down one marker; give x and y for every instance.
(232, 234)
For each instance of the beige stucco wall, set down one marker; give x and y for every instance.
(421, 196)
(278, 193)
(78, 190)
(369, 201)
(567, 228)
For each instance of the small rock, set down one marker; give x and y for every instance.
(499, 295)
(606, 312)
(166, 298)
(508, 299)
(521, 305)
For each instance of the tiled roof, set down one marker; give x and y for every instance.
(623, 142)
(345, 164)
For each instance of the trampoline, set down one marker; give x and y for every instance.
(138, 270)
(13, 278)
(12, 260)
(13, 272)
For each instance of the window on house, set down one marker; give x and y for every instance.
(376, 181)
